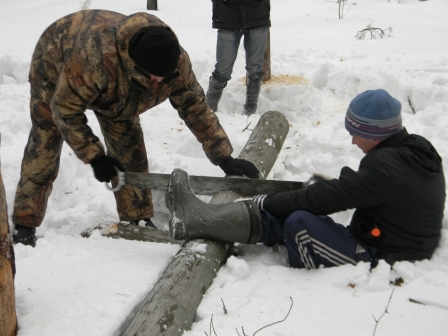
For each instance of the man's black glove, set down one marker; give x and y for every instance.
(104, 167)
(240, 167)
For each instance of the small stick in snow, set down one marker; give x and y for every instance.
(86, 4)
(277, 321)
(211, 327)
(224, 307)
(428, 303)
(410, 104)
(385, 311)
(247, 126)
(244, 334)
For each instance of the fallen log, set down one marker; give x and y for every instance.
(170, 307)
(8, 318)
(132, 232)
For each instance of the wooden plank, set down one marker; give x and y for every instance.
(8, 319)
(211, 185)
(170, 307)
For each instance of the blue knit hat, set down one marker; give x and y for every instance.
(374, 114)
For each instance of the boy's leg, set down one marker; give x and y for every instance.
(272, 230)
(313, 240)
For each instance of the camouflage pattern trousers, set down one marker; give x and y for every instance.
(40, 165)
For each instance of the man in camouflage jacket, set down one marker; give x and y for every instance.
(83, 61)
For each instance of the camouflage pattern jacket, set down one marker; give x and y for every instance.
(81, 62)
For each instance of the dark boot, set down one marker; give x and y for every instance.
(148, 223)
(191, 218)
(24, 235)
(252, 92)
(214, 93)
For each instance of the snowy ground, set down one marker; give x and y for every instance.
(69, 285)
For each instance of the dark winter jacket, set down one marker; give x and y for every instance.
(241, 14)
(82, 62)
(399, 188)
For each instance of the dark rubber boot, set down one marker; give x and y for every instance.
(191, 218)
(214, 93)
(148, 223)
(252, 92)
(24, 235)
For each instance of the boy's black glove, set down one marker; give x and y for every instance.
(104, 167)
(239, 167)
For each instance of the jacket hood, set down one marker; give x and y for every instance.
(127, 29)
(417, 151)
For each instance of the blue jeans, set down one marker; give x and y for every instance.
(227, 51)
(313, 240)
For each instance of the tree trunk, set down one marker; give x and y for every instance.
(132, 232)
(151, 4)
(8, 319)
(170, 308)
(267, 59)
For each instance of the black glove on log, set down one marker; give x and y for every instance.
(239, 167)
(104, 167)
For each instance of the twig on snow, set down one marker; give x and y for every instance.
(385, 311)
(224, 306)
(86, 4)
(410, 104)
(374, 32)
(242, 329)
(428, 303)
(292, 302)
(247, 126)
(211, 327)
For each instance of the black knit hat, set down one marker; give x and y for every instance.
(156, 50)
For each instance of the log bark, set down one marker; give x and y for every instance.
(170, 307)
(132, 232)
(151, 4)
(8, 318)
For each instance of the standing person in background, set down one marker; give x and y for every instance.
(235, 19)
(118, 66)
(398, 192)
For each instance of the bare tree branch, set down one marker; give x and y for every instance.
(374, 32)
(86, 4)
(277, 321)
(385, 311)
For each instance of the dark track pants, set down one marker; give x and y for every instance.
(313, 240)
